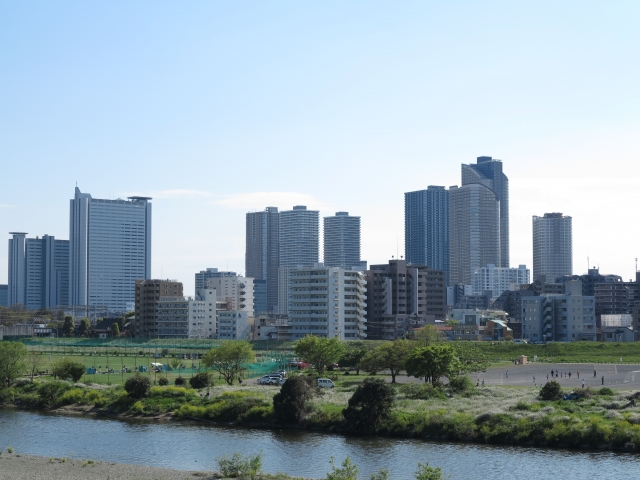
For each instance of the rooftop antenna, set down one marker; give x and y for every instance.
(636, 264)
(588, 264)
(397, 246)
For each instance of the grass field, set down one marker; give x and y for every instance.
(575, 352)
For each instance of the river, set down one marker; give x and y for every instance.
(195, 446)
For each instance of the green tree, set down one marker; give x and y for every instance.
(137, 386)
(319, 351)
(175, 363)
(425, 472)
(471, 358)
(369, 405)
(84, 327)
(388, 356)
(67, 369)
(353, 354)
(68, 327)
(200, 380)
(115, 330)
(433, 362)
(291, 403)
(551, 391)
(347, 471)
(428, 335)
(229, 359)
(34, 362)
(12, 355)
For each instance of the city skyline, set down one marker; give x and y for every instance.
(266, 109)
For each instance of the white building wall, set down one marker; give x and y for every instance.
(236, 289)
(498, 279)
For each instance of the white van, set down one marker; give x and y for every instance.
(520, 341)
(325, 383)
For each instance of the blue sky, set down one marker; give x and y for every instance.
(219, 108)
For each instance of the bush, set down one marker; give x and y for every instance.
(179, 381)
(163, 382)
(238, 466)
(604, 391)
(290, 404)
(370, 404)
(74, 395)
(66, 369)
(200, 380)
(425, 472)
(349, 471)
(460, 384)
(137, 386)
(50, 391)
(551, 391)
(417, 391)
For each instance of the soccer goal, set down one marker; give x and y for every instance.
(631, 376)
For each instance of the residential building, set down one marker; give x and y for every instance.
(341, 240)
(204, 275)
(401, 297)
(488, 172)
(498, 279)
(237, 291)
(260, 304)
(327, 302)
(559, 318)
(590, 280)
(474, 231)
(4, 295)
(552, 245)
(232, 325)
(612, 298)
(38, 271)
(147, 295)
(262, 257)
(426, 228)
(109, 249)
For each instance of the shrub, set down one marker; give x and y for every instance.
(417, 391)
(50, 391)
(164, 381)
(137, 386)
(551, 391)
(425, 472)
(349, 471)
(370, 404)
(180, 381)
(67, 369)
(69, 397)
(604, 391)
(200, 380)
(291, 403)
(460, 384)
(238, 466)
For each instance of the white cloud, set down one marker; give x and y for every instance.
(283, 200)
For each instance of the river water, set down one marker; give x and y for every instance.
(195, 447)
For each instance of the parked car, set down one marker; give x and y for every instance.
(325, 383)
(282, 380)
(267, 380)
(283, 373)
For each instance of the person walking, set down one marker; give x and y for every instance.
(594, 374)
(507, 373)
(583, 383)
(602, 379)
(578, 373)
(534, 379)
(569, 375)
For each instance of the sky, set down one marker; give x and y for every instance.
(215, 109)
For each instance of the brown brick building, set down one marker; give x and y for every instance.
(148, 292)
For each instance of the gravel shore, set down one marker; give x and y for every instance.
(29, 467)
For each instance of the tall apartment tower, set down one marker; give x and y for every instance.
(474, 231)
(552, 246)
(110, 248)
(342, 240)
(203, 276)
(38, 271)
(488, 172)
(426, 228)
(147, 295)
(262, 257)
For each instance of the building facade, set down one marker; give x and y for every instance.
(498, 279)
(147, 295)
(474, 231)
(401, 297)
(237, 291)
(488, 172)
(552, 245)
(38, 271)
(262, 255)
(342, 240)
(426, 228)
(204, 275)
(4, 295)
(109, 249)
(327, 302)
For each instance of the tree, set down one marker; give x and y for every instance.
(427, 335)
(229, 359)
(175, 363)
(319, 351)
(33, 362)
(425, 472)
(432, 363)
(115, 330)
(349, 471)
(471, 358)
(551, 391)
(353, 354)
(84, 327)
(369, 405)
(290, 404)
(388, 356)
(12, 355)
(68, 327)
(67, 369)
(137, 386)
(200, 380)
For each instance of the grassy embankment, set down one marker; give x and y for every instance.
(498, 415)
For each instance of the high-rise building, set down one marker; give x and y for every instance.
(342, 240)
(426, 228)
(498, 280)
(4, 295)
(474, 231)
(488, 172)
(262, 257)
(299, 244)
(110, 248)
(147, 295)
(237, 291)
(327, 302)
(401, 297)
(204, 275)
(38, 271)
(552, 245)
(260, 297)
